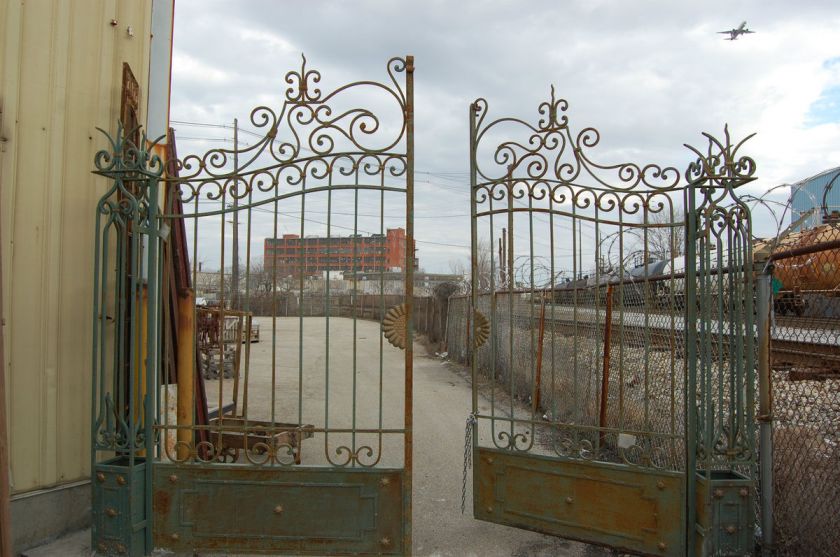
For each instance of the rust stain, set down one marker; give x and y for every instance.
(162, 501)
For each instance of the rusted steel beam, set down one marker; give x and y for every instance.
(186, 372)
(605, 376)
(538, 375)
(805, 250)
(408, 458)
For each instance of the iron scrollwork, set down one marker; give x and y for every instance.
(552, 158)
(310, 137)
(122, 213)
(724, 289)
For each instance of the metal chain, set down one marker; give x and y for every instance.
(468, 432)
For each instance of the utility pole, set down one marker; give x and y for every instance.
(235, 253)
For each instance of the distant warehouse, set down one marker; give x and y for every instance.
(819, 193)
(313, 255)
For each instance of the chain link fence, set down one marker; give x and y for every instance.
(647, 360)
(805, 362)
(429, 312)
(606, 360)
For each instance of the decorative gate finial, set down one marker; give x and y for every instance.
(720, 165)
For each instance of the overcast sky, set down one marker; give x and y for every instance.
(649, 76)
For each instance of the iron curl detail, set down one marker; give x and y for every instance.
(550, 151)
(311, 125)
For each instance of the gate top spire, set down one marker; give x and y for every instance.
(299, 90)
(549, 108)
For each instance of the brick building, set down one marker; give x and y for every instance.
(312, 256)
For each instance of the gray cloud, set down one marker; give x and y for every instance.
(650, 76)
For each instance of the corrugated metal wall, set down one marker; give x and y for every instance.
(809, 193)
(60, 71)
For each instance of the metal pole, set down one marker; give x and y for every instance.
(471, 308)
(764, 296)
(690, 370)
(605, 377)
(186, 371)
(408, 458)
(235, 252)
(151, 367)
(540, 343)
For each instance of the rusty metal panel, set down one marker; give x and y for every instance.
(619, 506)
(278, 510)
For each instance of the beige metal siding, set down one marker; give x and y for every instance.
(60, 72)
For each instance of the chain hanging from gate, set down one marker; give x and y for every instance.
(468, 447)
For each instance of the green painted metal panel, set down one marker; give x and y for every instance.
(725, 514)
(118, 510)
(630, 508)
(302, 511)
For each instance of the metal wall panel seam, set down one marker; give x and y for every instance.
(11, 94)
(51, 256)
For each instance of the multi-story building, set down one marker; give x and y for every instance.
(311, 256)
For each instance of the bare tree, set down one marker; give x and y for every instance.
(665, 235)
(260, 279)
(484, 269)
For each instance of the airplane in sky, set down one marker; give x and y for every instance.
(737, 32)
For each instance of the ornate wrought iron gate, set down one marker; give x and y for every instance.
(301, 442)
(612, 399)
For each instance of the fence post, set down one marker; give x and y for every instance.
(605, 376)
(764, 305)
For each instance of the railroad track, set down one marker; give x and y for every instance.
(809, 353)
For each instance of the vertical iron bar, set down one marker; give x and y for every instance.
(151, 350)
(510, 283)
(382, 268)
(690, 335)
(553, 391)
(234, 278)
(538, 373)
(578, 273)
(354, 300)
(247, 306)
(221, 315)
(286, 295)
(534, 365)
(303, 261)
(647, 307)
(327, 320)
(605, 376)
(473, 287)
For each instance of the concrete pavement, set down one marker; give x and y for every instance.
(441, 404)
